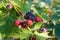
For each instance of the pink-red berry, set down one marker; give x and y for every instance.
(37, 19)
(29, 22)
(16, 22)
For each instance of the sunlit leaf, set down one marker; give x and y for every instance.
(37, 25)
(41, 36)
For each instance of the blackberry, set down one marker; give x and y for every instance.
(29, 22)
(17, 22)
(30, 15)
(23, 25)
(41, 30)
(37, 19)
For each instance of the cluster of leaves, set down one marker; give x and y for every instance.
(18, 10)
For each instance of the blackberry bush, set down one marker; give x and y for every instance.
(29, 16)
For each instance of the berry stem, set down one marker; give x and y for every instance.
(30, 30)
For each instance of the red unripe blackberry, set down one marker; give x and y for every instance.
(16, 22)
(29, 22)
(37, 19)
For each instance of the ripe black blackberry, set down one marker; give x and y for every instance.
(30, 16)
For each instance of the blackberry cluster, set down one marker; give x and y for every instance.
(30, 16)
(23, 24)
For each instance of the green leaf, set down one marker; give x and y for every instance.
(27, 7)
(38, 9)
(37, 25)
(2, 23)
(0, 37)
(57, 29)
(1, 12)
(41, 36)
(2, 19)
(47, 2)
(57, 7)
(40, 13)
(57, 2)
(30, 1)
(13, 13)
(37, 5)
(50, 25)
(1, 4)
(58, 12)
(44, 16)
(54, 18)
(19, 5)
(24, 34)
(23, 7)
(37, 14)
